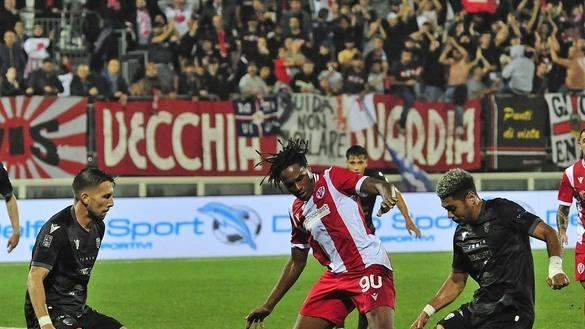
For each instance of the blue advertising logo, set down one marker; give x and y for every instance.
(233, 224)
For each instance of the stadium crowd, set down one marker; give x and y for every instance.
(219, 49)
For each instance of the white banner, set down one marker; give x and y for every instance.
(323, 122)
(246, 225)
(566, 114)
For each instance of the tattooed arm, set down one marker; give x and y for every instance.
(562, 222)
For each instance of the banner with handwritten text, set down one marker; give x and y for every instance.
(517, 132)
(323, 122)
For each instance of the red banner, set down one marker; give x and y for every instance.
(43, 137)
(181, 138)
(201, 139)
(429, 140)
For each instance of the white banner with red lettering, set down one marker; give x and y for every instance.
(43, 137)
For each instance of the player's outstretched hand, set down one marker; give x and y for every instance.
(256, 318)
(388, 201)
(412, 228)
(420, 322)
(559, 281)
(12, 242)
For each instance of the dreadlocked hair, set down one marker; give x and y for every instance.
(292, 153)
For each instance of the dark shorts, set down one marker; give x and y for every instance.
(90, 319)
(508, 318)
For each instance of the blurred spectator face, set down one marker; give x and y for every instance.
(113, 67)
(82, 71)
(281, 52)
(477, 73)
(151, 70)
(485, 40)
(252, 69)
(295, 5)
(9, 4)
(19, 27)
(140, 4)
(9, 38)
(405, 57)
(456, 54)
(293, 23)
(38, 30)
(349, 44)
(288, 43)
(378, 43)
(265, 72)
(207, 45)
(308, 67)
(178, 4)
(323, 49)
(257, 5)
(332, 65)
(262, 43)
(213, 66)
(189, 68)
(48, 66)
(217, 22)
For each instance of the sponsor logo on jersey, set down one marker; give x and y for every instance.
(313, 217)
(580, 180)
(47, 239)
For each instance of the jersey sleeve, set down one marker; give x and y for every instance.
(48, 245)
(5, 185)
(346, 181)
(565, 194)
(521, 219)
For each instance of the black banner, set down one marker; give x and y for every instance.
(517, 132)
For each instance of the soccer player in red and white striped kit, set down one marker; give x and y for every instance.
(326, 216)
(573, 186)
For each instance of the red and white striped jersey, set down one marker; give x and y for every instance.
(573, 186)
(332, 223)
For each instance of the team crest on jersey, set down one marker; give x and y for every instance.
(98, 242)
(47, 239)
(320, 192)
(580, 179)
(76, 241)
(580, 268)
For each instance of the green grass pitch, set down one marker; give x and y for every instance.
(216, 293)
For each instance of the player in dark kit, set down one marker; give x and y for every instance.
(64, 255)
(11, 208)
(492, 245)
(356, 160)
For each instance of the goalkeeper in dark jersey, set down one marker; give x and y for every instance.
(356, 159)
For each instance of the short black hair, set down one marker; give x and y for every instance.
(356, 150)
(293, 153)
(455, 183)
(89, 177)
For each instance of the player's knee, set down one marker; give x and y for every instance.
(438, 326)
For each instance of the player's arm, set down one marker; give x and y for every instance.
(451, 288)
(557, 279)
(562, 223)
(374, 186)
(12, 208)
(403, 207)
(291, 272)
(36, 291)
